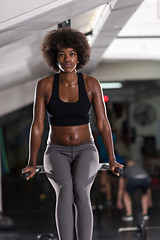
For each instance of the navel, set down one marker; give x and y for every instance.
(70, 137)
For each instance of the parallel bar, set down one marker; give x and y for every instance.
(128, 229)
(102, 167)
(136, 229)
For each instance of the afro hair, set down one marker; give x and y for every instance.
(65, 38)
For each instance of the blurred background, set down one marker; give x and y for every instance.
(125, 38)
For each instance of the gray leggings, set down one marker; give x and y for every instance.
(71, 171)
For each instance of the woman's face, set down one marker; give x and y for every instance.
(67, 59)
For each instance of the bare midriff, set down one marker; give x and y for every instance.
(70, 135)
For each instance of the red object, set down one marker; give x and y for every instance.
(106, 98)
(155, 181)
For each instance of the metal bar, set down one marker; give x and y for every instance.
(128, 229)
(102, 167)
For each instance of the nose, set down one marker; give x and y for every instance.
(67, 57)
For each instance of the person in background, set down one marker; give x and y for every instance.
(134, 177)
(107, 180)
(71, 159)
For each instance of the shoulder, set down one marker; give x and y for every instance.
(45, 82)
(91, 83)
(44, 85)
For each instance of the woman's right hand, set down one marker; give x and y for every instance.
(31, 169)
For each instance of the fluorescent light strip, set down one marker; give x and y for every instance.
(111, 85)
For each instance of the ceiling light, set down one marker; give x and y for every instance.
(111, 85)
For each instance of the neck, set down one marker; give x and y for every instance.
(68, 79)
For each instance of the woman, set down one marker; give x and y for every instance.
(71, 158)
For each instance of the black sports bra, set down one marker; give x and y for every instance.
(65, 113)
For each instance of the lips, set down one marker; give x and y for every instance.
(67, 65)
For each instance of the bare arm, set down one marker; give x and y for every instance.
(36, 130)
(104, 125)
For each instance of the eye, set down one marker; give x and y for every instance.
(72, 54)
(60, 54)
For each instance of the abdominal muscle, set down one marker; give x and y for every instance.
(70, 135)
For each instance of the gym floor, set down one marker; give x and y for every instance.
(29, 205)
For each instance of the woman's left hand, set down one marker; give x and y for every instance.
(114, 166)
